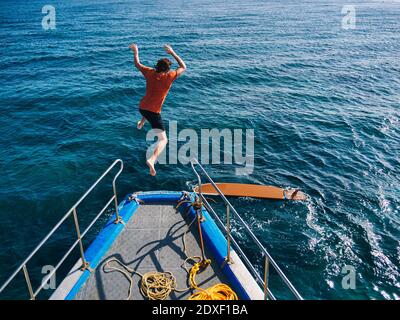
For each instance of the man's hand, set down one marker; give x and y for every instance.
(168, 49)
(182, 67)
(134, 48)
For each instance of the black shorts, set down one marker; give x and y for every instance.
(154, 119)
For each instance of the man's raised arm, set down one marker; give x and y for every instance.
(135, 50)
(182, 65)
(136, 60)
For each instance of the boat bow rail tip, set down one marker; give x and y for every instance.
(268, 260)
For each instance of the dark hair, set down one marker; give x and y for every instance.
(163, 65)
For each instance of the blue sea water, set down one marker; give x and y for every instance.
(323, 102)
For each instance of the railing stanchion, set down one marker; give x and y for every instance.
(266, 275)
(228, 235)
(200, 201)
(201, 206)
(85, 264)
(28, 282)
(117, 216)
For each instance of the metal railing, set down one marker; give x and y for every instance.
(268, 260)
(73, 211)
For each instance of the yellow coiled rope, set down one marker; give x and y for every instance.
(154, 285)
(158, 285)
(219, 291)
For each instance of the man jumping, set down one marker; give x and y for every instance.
(158, 83)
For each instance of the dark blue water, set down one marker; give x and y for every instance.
(323, 102)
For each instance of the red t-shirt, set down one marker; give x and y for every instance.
(157, 87)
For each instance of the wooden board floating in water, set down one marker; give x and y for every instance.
(252, 190)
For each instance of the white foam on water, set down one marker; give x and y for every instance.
(398, 253)
(312, 243)
(345, 248)
(320, 242)
(335, 254)
(312, 221)
(389, 269)
(330, 284)
(258, 225)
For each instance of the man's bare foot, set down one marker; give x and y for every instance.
(150, 163)
(140, 124)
